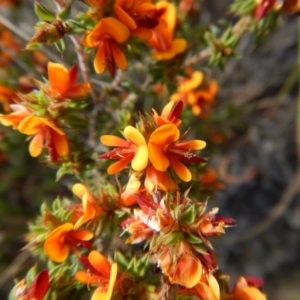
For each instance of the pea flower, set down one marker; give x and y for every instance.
(197, 92)
(106, 36)
(164, 151)
(90, 208)
(133, 150)
(45, 134)
(63, 239)
(162, 38)
(62, 83)
(246, 289)
(99, 272)
(36, 290)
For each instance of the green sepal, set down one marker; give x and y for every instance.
(173, 238)
(193, 239)
(31, 275)
(65, 13)
(43, 13)
(187, 217)
(121, 260)
(74, 27)
(33, 46)
(60, 45)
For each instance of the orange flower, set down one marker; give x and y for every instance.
(180, 265)
(105, 36)
(63, 239)
(7, 97)
(99, 272)
(37, 290)
(89, 204)
(133, 150)
(208, 287)
(137, 16)
(245, 291)
(46, 134)
(162, 38)
(62, 83)
(196, 92)
(163, 151)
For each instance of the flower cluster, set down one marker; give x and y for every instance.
(154, 149)
(197, 92)
(146, 232)
(36, 114)
(119, 20)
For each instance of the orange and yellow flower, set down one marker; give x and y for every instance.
(62, 83)
(133, 150)
(165, 150)
(90, 209)
(45, 134)
(63, 239)
(106, 36)
(197, 92)
(162, 35)
(244, 290)
(98, 272)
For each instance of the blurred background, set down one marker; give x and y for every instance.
(258, 163)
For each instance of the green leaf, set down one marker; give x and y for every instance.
(43, 13)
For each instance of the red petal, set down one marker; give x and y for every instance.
(39, 286)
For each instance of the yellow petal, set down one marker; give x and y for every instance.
(89, 212)
(133, 135)
(192, 83)
(79, 190)
(140, 160)
(112, 280)
(36, 145)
